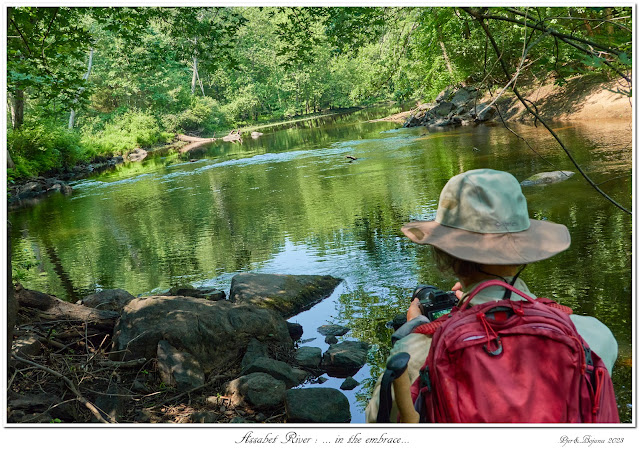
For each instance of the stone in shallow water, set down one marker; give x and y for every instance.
(286, 294)
(310, 357)
(349, 384)
(333, 330)
(545, 178)
(345, 359)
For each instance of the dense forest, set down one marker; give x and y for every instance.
(84, 82)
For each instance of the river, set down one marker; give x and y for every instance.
(291, 202)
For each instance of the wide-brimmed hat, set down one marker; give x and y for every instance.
(483, 217)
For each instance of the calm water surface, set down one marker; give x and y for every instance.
(291, 202)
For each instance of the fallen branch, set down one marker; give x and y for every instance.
(53, 308)
(90, 406)
(480, 18)
(194, 142)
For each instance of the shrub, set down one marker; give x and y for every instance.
(123, 133)
(203, 114)
(42, 147)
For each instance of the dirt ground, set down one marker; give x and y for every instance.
(581, 98)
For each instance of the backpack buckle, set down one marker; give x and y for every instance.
(497, 351)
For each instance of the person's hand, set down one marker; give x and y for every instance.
(413, 310)
(457, 289)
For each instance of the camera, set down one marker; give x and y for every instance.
(434, 302)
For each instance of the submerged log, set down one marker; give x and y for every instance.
(195, 142)
(233, 136)
(56, 309)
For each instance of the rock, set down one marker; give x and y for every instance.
(111, 405)
(215, 333)
(286, 294)
(204, 417)
(444, 95)
(301, 375)
(463, 96)
(316, 405)
(239, 419)
(65, 189)
(139, 386)
(137, 155)
(108, 299)
(349, 384)
(27, 346)
(259, 417)
(204, 292)
(310, 357)
(345, 359)
(256, 134)
(330, 340)
(178, 368)
(277, 369)
(545, 178)
(443, 109)
(145, 416)
(255, 350)
(483, 112)
(319, 380)
(258, 389)
(333, 330)
(295, 330)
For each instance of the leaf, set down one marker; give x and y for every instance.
(624, 59)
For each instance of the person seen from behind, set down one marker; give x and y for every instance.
(482, 233)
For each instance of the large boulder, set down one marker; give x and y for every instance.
(108, 299)
(286, 294)
(317, 405)
(178, 368)
(443, 109)
(215, 333)
(257, 389)
(463, 96)
(483, 112)
(345, 359)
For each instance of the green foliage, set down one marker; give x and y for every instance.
(259, 64)
(42, 146)
(125, 132)
(203, 115)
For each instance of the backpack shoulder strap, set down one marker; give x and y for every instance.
(430, 327)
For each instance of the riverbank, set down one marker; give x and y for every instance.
(114, 358)
(29, 190)
(582, 98)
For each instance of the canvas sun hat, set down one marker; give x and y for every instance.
(483, 217)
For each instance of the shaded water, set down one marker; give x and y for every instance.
(291, 202)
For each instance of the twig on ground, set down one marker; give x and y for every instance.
(90, 406)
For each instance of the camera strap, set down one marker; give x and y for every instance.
(507, 292)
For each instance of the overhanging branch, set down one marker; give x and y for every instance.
(481, 19)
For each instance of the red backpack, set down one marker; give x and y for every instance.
(511, 362)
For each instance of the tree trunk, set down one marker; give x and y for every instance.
(17, 108)
(55, 309)
(86, 77)
(12, 304)
(194, 79)
(444, 52)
